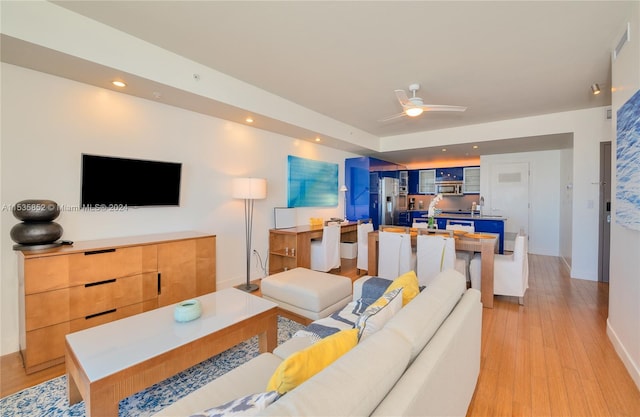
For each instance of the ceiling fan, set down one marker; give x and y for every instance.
(414, 106)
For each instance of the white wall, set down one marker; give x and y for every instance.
(544, 183)
(47, 122)
(566, 204)
(623, 324)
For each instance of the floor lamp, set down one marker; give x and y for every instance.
(249, 189)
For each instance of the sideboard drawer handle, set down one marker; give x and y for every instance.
(90, 316)
(106, 281)
(97, 252)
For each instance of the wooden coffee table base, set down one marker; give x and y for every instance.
(102, 396)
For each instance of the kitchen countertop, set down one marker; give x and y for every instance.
(460, 214)
(469, 216)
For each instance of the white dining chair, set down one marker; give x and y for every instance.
(435, 253)
(325, 253)
(469, 227)
(394, 254)
(510, 272)
(363, 230)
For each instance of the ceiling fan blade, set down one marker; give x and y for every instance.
(402, 97)
(395, 116)
(442, 107)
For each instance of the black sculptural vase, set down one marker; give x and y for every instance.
(37, 230)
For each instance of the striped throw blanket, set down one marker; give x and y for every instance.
(346, 318)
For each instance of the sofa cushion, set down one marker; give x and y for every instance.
(245, 406)
(421, 318)
(303, 364)
(408, 281)
(353, 385)
(378, 314)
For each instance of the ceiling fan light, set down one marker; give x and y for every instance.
(413, 111)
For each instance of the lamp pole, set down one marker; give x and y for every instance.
(249, 189)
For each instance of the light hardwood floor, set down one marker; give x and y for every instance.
(550, 357)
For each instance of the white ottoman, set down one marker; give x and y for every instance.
(307, 293)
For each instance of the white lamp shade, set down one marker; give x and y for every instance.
(249, 188)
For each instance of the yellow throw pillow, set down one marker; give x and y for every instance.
(304, 364)
(409, 284)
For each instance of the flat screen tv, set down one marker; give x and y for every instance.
(118, 182)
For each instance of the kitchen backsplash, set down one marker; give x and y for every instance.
(452, 203)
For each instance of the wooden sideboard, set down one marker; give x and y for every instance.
(75, 287)
(291, 247)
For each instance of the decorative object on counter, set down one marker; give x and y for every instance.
(37, 229)
(249, 189)
(344, 189)
(432, 210)
(187, 311)
(315, 221)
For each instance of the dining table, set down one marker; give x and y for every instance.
(484, 243)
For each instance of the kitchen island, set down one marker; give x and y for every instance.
(488, 224)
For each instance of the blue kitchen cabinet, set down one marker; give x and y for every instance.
(361, 178)
(449, 174)
(413, 181)
(419, 214)
(404, 218)
(491, 226)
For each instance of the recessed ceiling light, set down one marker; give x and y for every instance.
(444, 149)
(475, 146)
(249, 120)
(120, 84)
(317, 139)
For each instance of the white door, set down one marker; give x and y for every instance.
(510, 198)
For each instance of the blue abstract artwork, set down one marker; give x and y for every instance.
(311, 183)
(628, 164)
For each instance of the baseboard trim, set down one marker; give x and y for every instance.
(627, 360)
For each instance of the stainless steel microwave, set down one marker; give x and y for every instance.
(449, 188)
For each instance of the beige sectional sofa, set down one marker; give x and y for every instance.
(425, 361)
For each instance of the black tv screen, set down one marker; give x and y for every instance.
(116, 182)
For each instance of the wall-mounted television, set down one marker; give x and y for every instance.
(115, 182)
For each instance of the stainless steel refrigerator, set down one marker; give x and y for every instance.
(388, 200)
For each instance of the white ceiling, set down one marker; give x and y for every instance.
(500, 59)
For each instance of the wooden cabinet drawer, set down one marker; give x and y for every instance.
(100, 265)
(53, 307)
(46, 274)
(50, 340)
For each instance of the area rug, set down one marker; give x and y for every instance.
(50, 398)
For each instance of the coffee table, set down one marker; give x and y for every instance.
(112, 361)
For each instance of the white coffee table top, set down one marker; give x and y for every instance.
(114, 346)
